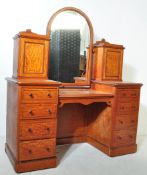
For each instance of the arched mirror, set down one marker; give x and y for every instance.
(70, 51)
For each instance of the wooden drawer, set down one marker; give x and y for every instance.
(125, 121)
(36, 111)
(38, 149)
(31, 95)
(127, 107)
(125, 95)
(37, 129)
(124, 137)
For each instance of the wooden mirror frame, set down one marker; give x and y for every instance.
(81, 81)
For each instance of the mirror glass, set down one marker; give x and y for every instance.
(70, 37)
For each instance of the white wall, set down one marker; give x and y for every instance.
(118, 21)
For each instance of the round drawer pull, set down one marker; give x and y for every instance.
(49, 111)
(133, 107)
(31, 95)
(124, 94)
(133, 94)
(121, 122)
(48, 149)
(130, 136)
(132, 121)
(30, 130)
(30, 151)
(119, 137)
(122, 107)
(48, 129)
(49, 95)
(31, 112)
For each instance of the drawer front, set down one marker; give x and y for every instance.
(127, 107)
(37, 129)
(128, 94)
(124, 137)
(36, 111)
(31, 95)
(29, 150)
(125, 121)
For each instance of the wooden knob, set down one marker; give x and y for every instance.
(132, 121)
(30, 151)
(122, 107)
(124, 94)
(48, 129)
(131, 136)
(31, 95)
(30, 130)
(48, 149)
(133, 107)
(49, 111)
(119, 137)
(49, 95)
(31, 112)
(120, 121)
(133, 94)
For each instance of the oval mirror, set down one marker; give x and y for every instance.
(70, 38)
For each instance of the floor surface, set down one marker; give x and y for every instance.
(84, 159)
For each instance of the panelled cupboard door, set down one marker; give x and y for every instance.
(33, 58)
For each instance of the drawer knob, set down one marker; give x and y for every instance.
(30, 151)
(30, 130)
(48, 149)
(31, 95)
(130, 136)
(48, 129)
(49, 95)
(119, 137)
(121, 122)
(31, 112)
(122, 107)
(49, 111)
(133, 94)
(124, 94)
(134, 107)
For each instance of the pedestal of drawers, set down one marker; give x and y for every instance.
(32, 146)
(125, 118)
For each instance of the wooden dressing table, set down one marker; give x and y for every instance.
(98, 108)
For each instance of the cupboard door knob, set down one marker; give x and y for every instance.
(30, 130)
(31, 95)
(30, 151)
(48, 149)
(132, 121)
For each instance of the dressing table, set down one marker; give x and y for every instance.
(46, 107)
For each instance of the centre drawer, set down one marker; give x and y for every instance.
(38, 149)
(36, 111)
(36, 129)
(32, 95)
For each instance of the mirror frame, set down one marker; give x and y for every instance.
(82, 81)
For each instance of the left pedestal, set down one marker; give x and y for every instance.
(31, 124)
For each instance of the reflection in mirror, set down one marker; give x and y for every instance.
(70, 36)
